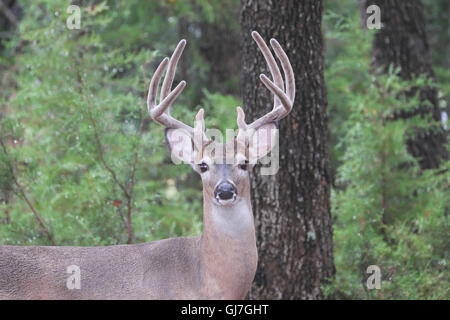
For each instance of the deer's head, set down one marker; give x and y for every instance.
(223, 167)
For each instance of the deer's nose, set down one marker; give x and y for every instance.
(225, 191)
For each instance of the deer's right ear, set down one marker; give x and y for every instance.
(180, 145)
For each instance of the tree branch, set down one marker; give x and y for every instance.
(133, 167)
(9, 14)
(100, 149)
(24, 195)
(128, 193)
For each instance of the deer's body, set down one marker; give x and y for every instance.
(219, 264)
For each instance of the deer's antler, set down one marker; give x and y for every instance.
(161, 112)
(283, 100)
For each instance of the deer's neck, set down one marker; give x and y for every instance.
(228, 248)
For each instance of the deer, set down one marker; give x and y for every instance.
(218, 264)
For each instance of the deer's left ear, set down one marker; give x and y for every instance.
(263, 141)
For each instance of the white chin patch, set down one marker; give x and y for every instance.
(226, 202)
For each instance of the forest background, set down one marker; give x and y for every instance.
(82, 164)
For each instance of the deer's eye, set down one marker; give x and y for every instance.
(243, 165)
(203, 167)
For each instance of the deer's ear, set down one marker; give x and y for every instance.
(180, 146)
(263, 141)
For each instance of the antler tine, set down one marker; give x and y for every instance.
(273, 67)
(286, 98)
(154, 83)
(287, 68)
(200, 139)
(168, 79)
(160, 113)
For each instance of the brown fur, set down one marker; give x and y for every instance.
(214, 265)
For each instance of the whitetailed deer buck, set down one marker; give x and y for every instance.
(219, 264)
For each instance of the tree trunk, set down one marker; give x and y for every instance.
(292, 208)
(402, 41)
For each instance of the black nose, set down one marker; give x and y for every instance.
(225, 191)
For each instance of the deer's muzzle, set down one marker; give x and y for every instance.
(225, 191)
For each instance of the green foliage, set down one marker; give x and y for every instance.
(347, 70)
(436, 12)
(221, 106)
(74, 126)
(388, 212)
